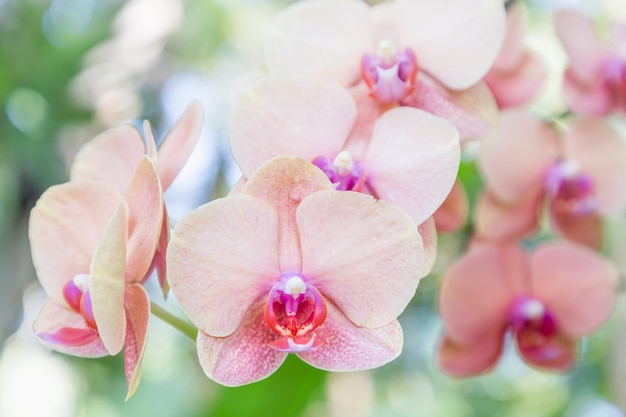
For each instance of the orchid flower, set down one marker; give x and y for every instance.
(595, 80)
(291, 265)
(405, 156)
(578, 174)
(517, 74)
(419, 53)
(547, 300)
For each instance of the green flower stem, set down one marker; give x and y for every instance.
(179, 324)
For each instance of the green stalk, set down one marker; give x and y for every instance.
(179, 324)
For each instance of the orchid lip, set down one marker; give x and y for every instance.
(389, 73)
(76, 294)
(343, 171)
(570, 189)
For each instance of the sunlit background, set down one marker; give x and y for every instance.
(72, 68)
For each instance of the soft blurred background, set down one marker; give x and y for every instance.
(70, 69)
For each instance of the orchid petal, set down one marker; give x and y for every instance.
(428, 232)
(220, 258)
(478, 290)
(474, 359)
(593, 98)
(456, 41)
(576, 284)
(499, 221)
(66, 331)
(65, 228)
(244, 356)
(179, 143)
(452, 213)
(412, 160)
(585, 229)
(106, 282)
(346, 347)
(556, 354)
(137, 306)
(322, 39)
(289, 116)
(512, 50)
(145, 217)
(159, 260)
(364, 255)
(110, 157)
(517, 87)
(515, 162)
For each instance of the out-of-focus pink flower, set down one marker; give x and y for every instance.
(452, 213)
(405, 156)
(595, 80)
(291, 265)
(547, 299)
(578, 174)
(419, 53)
(517, 74)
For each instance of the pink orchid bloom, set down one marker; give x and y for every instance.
(547, 299)
(113, 156)
(517, 74)
(579, 175)
(405, 156)
(595, 80)
(291, 265)
(419, 53)
(452, 213)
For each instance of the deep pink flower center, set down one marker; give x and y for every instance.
(345, 173)
(390, 74)
(76, 293)
(532, 323)
(614, 73)
(294, 309)
(570, 190)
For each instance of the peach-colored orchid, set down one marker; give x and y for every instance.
(291, 265)
(405, 156)
(547, 299)
(578, 174)
(419, 53)
(517, 74)
(595, 80)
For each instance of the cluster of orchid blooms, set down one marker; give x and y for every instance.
(349, 149)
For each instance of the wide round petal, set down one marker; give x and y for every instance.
(244, 356)
(289, 116)
(322, 39)
(452, 213)
(473, 359)
(601, 153)
(112, 157)
(498, 221)
(516, 87)
(65, 228)
(593, 98)
(106, 282)
(558, 353)
(137, 305)
(66, 331)
(412, 160)
(585, 229)
(478, 290)
(346, 347)
(179, 143)
(364, 255)
(222, 257)
(577, 286)
(455, 41)
(512, 50)
(515, 161)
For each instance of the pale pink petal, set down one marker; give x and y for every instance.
(557, 354)
(64, 330)
(581, 43)
(65, 228)
(323, 39)
(412, 160)
(362, 254)
(498, 221)
(576, 285)
(473, 111)
(478, 290)
(515, 161)
(428, 232)
(470, 360)
(518, 86)
(368, 110)
(289, 116)
(106, 282)
(346, 347)
(384, 22)
(455, 41)
(179, 143)
(145, 218)
(452, 213)
(159, 261)
(137, 305)
(601, 153)
(592, 98)
(512, 50)
(221, 257)
(585, 229)
(112, 157)
(244, 356)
